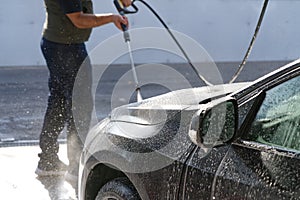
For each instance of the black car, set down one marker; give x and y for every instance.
(232, 141)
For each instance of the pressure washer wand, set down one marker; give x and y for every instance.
(123, 10)
(137, 86)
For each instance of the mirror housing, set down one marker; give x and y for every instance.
(215, 124)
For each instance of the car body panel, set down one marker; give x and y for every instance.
(200, 173)
(259, 173)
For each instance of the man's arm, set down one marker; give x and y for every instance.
(83, 20)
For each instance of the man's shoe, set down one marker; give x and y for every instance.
(51, 167)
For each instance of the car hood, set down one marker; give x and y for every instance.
(156, 128)
(158, 109)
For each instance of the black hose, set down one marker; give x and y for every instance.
(176, 41)
(242, 65)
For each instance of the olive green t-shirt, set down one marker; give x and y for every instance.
(59, 28)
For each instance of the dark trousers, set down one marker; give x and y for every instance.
(69, 89)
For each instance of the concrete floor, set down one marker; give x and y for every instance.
(18, 180)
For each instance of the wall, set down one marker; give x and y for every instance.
(223, 28)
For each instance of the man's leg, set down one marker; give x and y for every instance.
(55, 116)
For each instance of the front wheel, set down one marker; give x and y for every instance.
(118, 189)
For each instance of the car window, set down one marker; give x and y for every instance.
(277, 121)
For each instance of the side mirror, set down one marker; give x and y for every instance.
(215, 124)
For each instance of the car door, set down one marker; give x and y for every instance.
(200, 171)
(264, 162)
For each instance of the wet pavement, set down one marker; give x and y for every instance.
(18, 180)
(24, 93)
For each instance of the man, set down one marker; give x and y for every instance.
(68, 25)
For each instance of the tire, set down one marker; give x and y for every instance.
(118, 189)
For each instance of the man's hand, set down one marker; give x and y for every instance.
(118, 20)
(126, 3)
